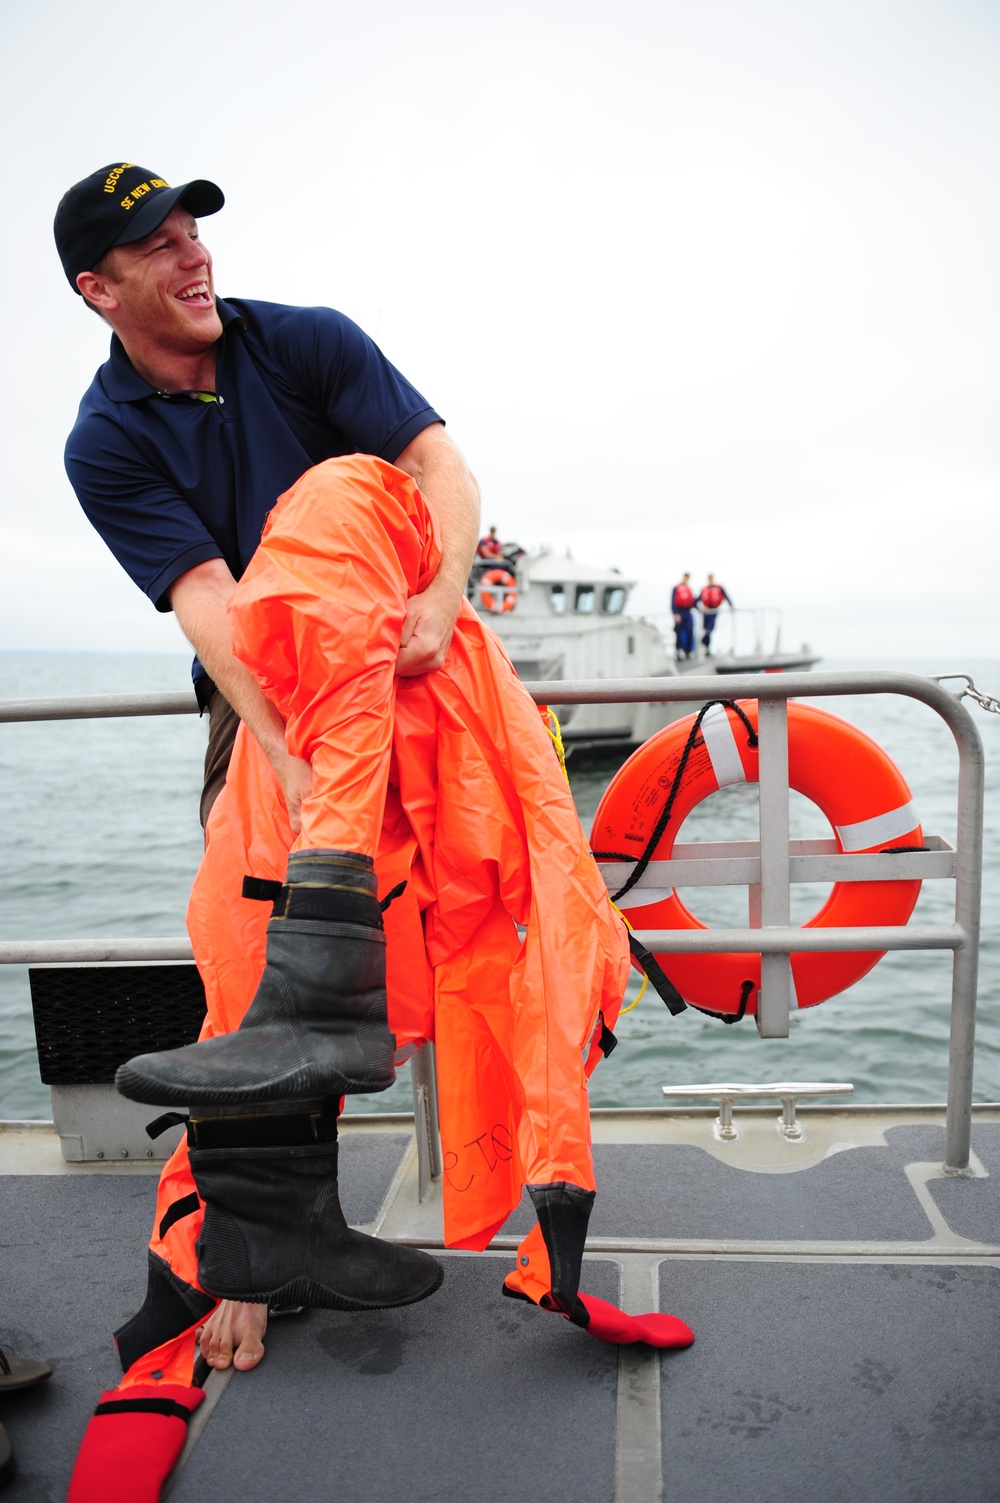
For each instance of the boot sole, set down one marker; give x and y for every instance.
(138, 1086)
(303, 1291)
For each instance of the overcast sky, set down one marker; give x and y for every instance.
(698, 284)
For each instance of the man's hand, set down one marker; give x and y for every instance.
(448, 485)
(427, 630)
(295, 779)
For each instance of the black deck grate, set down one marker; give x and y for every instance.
(89, 1019)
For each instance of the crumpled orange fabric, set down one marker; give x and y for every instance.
(451, 782)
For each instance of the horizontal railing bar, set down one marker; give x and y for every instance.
(690, 850)
(693, 850)
(92, 951)
(721, 871)
(98, 706)
(740, 871)
(781, 941)
(772, 941)
(877, 867)
(694, 689)
(685, 689)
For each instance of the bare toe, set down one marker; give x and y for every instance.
(249, 1353)
(232, 1336)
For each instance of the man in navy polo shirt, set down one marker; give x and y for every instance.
(206, 411)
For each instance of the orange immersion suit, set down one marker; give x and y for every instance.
(503, 947)
(449, 779)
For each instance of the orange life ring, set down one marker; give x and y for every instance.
(851, 779)
(506, 597)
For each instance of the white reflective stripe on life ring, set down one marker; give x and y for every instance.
(722, 748)
(879, 829)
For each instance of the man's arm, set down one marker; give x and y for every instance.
(443, 476)
(199, 599)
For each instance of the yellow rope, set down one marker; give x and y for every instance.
(550, 720)
(645, 978)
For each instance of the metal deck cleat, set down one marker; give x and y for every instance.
(787, 1092)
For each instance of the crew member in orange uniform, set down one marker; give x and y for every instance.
(681, 605)
(710, 599)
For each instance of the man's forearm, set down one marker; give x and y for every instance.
(245, 695)
(450, 487)
(199, 600)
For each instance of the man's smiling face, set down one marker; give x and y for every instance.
(162, 290)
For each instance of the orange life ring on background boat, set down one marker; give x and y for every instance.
(505, 586)
(851, 779)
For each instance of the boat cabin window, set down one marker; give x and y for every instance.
(558, 597)
(614, 601)
(585, 599)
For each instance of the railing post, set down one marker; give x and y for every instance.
(423, 1069)
(774, 1002)
(965, 967)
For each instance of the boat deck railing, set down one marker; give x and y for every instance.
(770, 864)
(740, 631)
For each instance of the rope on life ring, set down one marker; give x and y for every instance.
(852, 780)
(503, 596)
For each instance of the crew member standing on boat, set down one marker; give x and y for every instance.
(682, 606)
(204, 414)
(712, 596)
(490, 546)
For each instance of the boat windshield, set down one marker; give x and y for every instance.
(558, 597)
(614, 601)
(585, 599)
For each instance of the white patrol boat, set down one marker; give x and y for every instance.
(560, 619)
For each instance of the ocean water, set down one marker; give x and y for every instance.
(100, 836)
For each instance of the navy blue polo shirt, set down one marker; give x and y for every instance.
(170, 481)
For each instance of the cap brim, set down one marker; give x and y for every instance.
(200, 197)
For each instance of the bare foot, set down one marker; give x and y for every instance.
(232, 1334)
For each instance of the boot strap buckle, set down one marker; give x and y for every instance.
(265, 1129)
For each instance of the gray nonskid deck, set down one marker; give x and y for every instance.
(658, 1191)
(845, 1314)
(843, 1382)
(466, 1396)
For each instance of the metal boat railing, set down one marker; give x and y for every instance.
(740, 631)
(771, 864)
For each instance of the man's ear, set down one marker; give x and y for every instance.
(94, 288)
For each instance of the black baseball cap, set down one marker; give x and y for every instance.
(118, 204)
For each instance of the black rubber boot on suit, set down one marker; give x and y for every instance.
(170, 1307)
(563, 1212)
(274, 1231)
(318, 1025)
